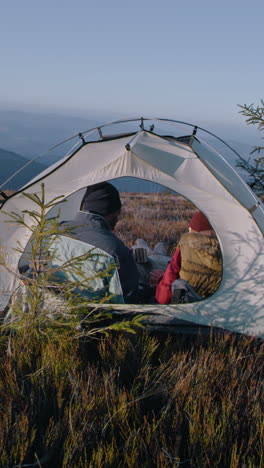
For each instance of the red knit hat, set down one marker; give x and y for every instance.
(199, 222)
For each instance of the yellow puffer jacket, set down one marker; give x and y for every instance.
(201, 262)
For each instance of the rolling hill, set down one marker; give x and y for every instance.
(11, 163)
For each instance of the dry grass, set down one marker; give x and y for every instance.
(155, 218)
(131, 401)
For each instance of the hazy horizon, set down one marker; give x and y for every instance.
(20, 117)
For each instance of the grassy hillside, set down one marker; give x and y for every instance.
(124, 401)
(160, 217)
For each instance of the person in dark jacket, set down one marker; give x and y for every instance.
(94, 224)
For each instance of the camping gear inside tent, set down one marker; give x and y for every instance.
(186, 165)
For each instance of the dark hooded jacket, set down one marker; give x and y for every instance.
(93, 229)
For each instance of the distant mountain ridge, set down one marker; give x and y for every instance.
(29, 133)
(10, 163)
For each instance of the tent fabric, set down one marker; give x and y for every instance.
(194, 171)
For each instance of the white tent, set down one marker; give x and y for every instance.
(189, 167)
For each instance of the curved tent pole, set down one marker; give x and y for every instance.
(34, 159)
(196, 128)
(115, 122)
(141, 120)
(80, 135)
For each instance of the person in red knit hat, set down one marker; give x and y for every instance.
(196, 260)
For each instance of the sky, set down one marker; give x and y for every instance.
(193, 61)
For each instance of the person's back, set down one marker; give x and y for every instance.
(94, 224)
(196, 260)
(201, 263)
(89, 272)
(94, 230)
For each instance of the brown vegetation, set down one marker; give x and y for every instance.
(154, 218)
(131, 401)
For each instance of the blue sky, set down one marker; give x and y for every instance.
(188, 60)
